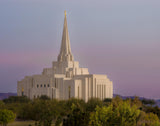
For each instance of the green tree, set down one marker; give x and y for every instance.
(148, 102)
(6, 116)
(75, 101)
(102, 116)
(126, 115)
(2, 105)
(136, 102)
(148, 119)
(150, 109)
(77, 117)
(93, 103)
(122, 115)
(116, 101)
(16, 99)
(44, 97)
(107, 100)
(24, 111)
(44, 111)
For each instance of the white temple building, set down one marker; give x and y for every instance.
(65, 79)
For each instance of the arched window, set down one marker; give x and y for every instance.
(69, 92)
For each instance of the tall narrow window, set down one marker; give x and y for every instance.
(22, 92)
(55, 83)
(69, 92)
(78, 92)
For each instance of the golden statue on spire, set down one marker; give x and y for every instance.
(65, 13)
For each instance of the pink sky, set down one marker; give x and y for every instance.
(117, 38)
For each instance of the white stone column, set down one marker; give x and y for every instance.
(95, 88)
(105, 91)
(101, 91)
(86, 90)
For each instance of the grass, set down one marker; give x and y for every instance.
(22, 123)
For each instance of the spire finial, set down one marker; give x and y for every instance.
(65, 13)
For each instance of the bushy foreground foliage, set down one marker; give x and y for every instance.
(16, 99)
(123, 115)
(75, 112)
(6, 116)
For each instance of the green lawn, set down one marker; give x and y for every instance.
(22, 123)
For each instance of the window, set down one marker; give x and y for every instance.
(48, 85)
(22, 93)
(37, 85)
(41, 85)
(69, 92)
(55, 83)
(44, 85)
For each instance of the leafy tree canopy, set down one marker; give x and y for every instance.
(14, 99)
(6, 116)
(44, 97)
(122, 115)
(148, 101)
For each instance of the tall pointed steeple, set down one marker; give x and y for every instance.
(65, 52)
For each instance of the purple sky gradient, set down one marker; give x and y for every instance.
(119, 38)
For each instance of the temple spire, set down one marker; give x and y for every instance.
(65, 51)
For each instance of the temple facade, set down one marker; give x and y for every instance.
(65, 79)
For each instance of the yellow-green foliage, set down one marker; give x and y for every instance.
(102, 116)
(75, 112)
(6, 116)
(122, 115)
(148, 119)
(2, 105)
